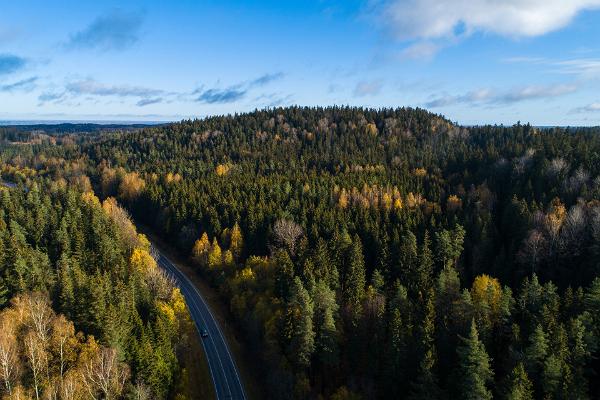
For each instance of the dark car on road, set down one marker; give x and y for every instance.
(204, 333)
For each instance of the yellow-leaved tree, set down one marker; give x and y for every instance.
(131, 186)
(487, 297)
(200, 250)
(215, 258)
(236, 242)
(142, 261)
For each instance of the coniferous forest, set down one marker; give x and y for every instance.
(361, 253)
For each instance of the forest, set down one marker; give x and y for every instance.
(84, 310)
(361, 253)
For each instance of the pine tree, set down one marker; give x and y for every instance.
(475, 369)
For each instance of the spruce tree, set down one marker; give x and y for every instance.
(236, 242)
(407, 263)
(519, 387)
(536, 352)
(426, 385)
(475, 368)
(300, 308)
(284, 277)
(3, 293)
(424, 270)
(354, 287)
(325, 306)
(66, 295)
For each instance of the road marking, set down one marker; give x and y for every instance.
(216, 350)
(212, 375)
(224, 342)
(184, 279)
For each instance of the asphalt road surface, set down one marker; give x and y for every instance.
(224, 373)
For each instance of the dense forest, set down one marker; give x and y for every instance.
(84, 310)
(363, 253)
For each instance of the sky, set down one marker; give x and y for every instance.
(473, 61)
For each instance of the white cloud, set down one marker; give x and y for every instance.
(439, 19)
(590, 108)
(421, 50)
(116, 30)
(495, 97)
(584, 67)
(366, 88)
(91, 87)
(594, 107)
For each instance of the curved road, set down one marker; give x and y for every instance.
(223, 371)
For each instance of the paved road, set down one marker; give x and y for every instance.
(224, 373)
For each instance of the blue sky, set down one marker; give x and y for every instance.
(475, 61)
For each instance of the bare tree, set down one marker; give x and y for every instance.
(71, 386)
(123, 221)
(104, 377)
(532, 250)
(286, 234)
(9, 359)
(556, 167)
(574, 184)
(573, 229)
(40, 315)
(52, 390)
(160, 283)
(36, 357)
(141, 391)
(62, 343)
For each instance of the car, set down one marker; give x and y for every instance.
(204, 333)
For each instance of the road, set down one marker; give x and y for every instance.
(223, 370)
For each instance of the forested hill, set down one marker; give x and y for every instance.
(205, 175)
(375, 253)
(302, 138)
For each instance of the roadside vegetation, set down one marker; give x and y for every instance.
(85, 311)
